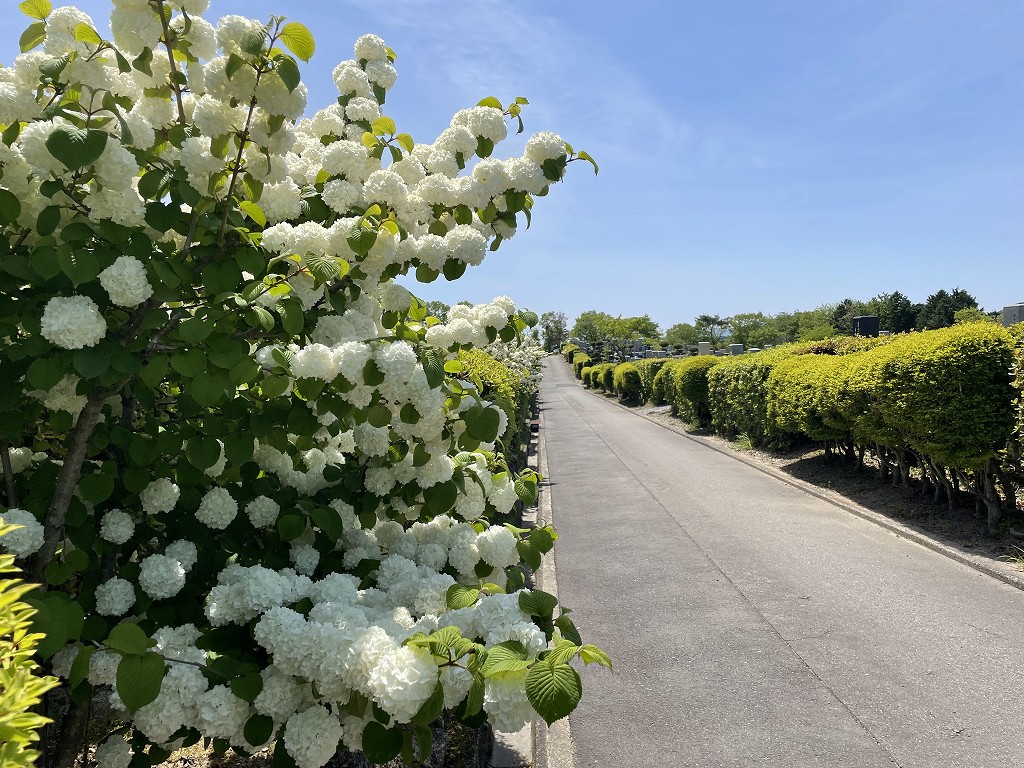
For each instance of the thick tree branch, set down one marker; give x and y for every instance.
(5, 461)
(68, 479)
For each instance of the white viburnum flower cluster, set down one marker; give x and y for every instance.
(73, 322)
(25, 540)
(372, 422)
(125, 282)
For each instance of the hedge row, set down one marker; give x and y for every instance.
(509, 389)
(945, 401)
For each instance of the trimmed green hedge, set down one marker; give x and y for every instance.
(585, 375)
(648, 369)
(626, 380)
(690, 394)
(737, 388)
(580, 360)
(607, 375)
(663, 388)
(510, 390)
(568, 351)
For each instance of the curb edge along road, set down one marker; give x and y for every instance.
(971, 561)
(552, 745)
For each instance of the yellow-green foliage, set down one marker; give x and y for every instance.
(803, 395)
(690, 389)
(585, 375)
(626, 380)
(737, 389)
(21, 688)
(607, 377)
(568, 351)
(663, 388)
(501, 385)
(648, 369)
(580, 360)
(945, 393)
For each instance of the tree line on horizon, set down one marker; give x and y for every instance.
(896, 313)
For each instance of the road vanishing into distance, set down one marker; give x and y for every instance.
(752, 624)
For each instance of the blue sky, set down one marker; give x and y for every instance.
(754, 156)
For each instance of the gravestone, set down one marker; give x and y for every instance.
(704, 348)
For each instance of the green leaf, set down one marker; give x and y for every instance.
(291, 526)
(490, 101)
(538, 603)
(10, 208)
(288, 71)
(360, 239)
(33, 35)
(591, 653)
(86, 34)
(327, 520)
(80, 667)
(553, 688)
(483, 423)
(406, 142)
(57, 617)
(584, 156)
(298, 39)
(128, 638)
(254, 212)
(143, 61)
(209, 387)
(190, 363)
(248, 686)
(325, 268)
(529, 554)
(542, 539)
(433, 367)
(461, 596)
(48, 220)
(381, 744)
(258, 730)
(526, 490)
(92, 362)
(36, 9)
(484, 147)
(384, 126)
(96, 488)
(154, 371)
(202, 451)
(44, 372)
(510, 656)
(431, 709)
(139, 679)
(409, 414)
(441, 497)
(76, 147)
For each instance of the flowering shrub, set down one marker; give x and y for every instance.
(245, 462)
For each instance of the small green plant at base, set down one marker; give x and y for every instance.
(1015, 556)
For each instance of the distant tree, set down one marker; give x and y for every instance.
(555, 329)
(844, 312)
(787, 326)
(439, 310)
(680, 334)
(895, 312)
(752, 329)
(642, 327)
(972, 315)
(591, 326)
(941, 307)
(816, 324)
(711, 328)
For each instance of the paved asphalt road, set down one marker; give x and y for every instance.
(752, 624)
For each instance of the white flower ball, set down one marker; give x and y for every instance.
(262, 511)
(159, 496)
(545, 146)
(125, 282)
(371, 48)
(115, 752)
(217, 509)
(184, 552)
(497, 547)
(25, 540)
(115, 597)
(73, 322)
(312, 737)
(161, 576)
(117, 527)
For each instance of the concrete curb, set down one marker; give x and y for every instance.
(971, 561)
(552, 745)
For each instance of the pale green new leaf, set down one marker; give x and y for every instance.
(36, 9)
(86, 34)
(298, 39)
(254, 212)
